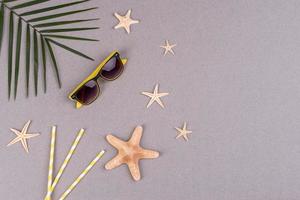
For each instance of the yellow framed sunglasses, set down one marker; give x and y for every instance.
(89, 90)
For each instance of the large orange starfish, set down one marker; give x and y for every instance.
(130, 153)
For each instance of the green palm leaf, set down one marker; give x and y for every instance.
(70, 49)
(7, 1)
(18, 49)
(36, 61)
(28, 48)
(54, 63)
(10, 49)
(59, 15)
(42, 10)
(69, 37)
(1, 23)
(67, 30)
(63, 23)
(27, 4)
(44, 63)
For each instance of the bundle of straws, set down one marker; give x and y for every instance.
(51, 183)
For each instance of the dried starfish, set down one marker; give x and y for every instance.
(125, 21)
(130, 153)
(168, 48)
(22, 136)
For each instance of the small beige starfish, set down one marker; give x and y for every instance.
(125, 21)
(23, 136)
(168, 47)
(183, 132)
(130, 153)
(155, 96)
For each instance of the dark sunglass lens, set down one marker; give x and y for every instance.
(112, 69)
(88, 92)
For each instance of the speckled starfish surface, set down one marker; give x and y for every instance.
(130, 153)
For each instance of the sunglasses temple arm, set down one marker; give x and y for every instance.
(124, 60)
(78, 105)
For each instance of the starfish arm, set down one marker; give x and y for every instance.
(166, 51)
(113, 163)
(25, 128)
(18, 133)
(136, 135)
(179, 135)
(117, 16)
(150, 102)
(116, 142)
(178, 129)
(127, 28)
(24, 143)
(147, 94)
(149, 154)
(27, 136)
(134, 170)
(128, 13)
(184, 126)
(17, 139)
(160, 102)
(185, 137)
(163, 94)
(171, 50)
(156, 89)
(134, 22)
(118, 26)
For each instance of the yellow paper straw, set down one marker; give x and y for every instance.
(67, 159)
(84, 172)
(51, 160)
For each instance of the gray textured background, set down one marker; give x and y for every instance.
(234, 79)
